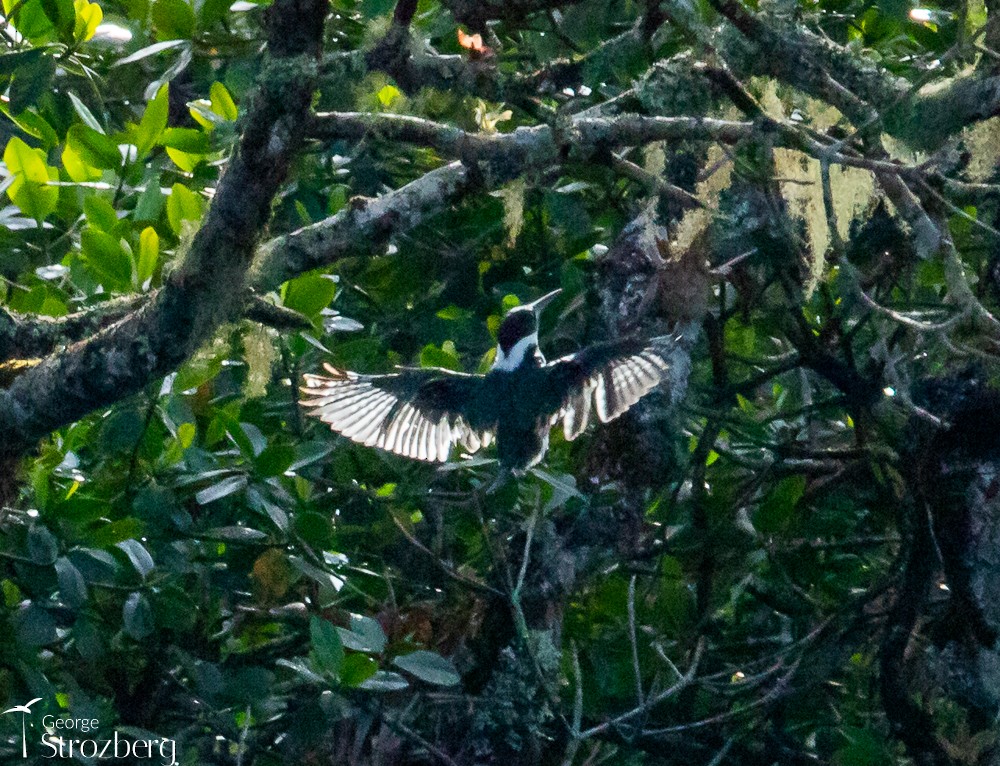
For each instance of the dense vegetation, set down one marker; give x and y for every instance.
(793, 563)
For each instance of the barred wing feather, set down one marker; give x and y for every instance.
(418, 413)
(607, 378)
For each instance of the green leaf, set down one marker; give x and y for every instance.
(138, 555)
(866, 746)
(85, 114)
(42, 545)
(309, 294)
(30, 83)
(385, 681)
(326, 580)
(187, 162)
(274, 460)
(34, 200)
(222, 103)
(315, 529)
(100, 214)
(190, 140)
(149, 254)
(301, 669)
(563, 487)
(197, 371)
(88, 18)
(62, 15)
(374, 8)
(32, 21)
(235, 534)
(107, 258)
(201, 111)
(34, 626)
(137, 616)
(22, 159)
(77, 168)
(150, 203)
(96, 149)
(150, 50)
(327, 649)
(262, 505)
(29, 190)
(356, 669)
(182, 205)
(34, 125)
(429, 667)
(173, 19)
(72, 587)
(154, 121)
(109, 534)
(777, 509)
(221, 489)
(364, 635)
(10, 63)
(212, 11)
(307, 453)
(445, 356)
(88, 640)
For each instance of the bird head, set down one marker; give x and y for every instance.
(518, 333)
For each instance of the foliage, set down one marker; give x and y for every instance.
(719, 581)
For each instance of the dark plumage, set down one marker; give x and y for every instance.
(423, 413)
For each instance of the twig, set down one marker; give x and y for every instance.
(780, 688)
(526, 557)
(430, 747)
(458, 577)
(686, 680)
(574, 743)
(720, 756)
(654, 183)
(633, 641)
(915, 324)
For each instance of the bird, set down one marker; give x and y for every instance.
(422, 413)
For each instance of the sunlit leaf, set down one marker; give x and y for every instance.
(88, 17)
(183, 205)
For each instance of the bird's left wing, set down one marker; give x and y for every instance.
(607, 377)
(417, 413)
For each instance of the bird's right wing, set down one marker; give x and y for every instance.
(417, 413)
(607, 377)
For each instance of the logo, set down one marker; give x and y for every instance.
(24, 710)
(57, 740)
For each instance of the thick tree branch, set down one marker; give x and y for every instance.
(585, 137)
(206, 288)
(799, 57)
(33, 336)
(27, 337)
(361, 228)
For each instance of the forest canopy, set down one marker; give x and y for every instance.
(786, 554)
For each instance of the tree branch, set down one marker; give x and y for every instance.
(32, 336)
(793, 54)
(206, 289)
(508, 153)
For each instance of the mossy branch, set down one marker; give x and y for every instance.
(208, 287)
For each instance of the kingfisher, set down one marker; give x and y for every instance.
(422, 413)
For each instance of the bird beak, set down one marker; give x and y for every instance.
(538, 306)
